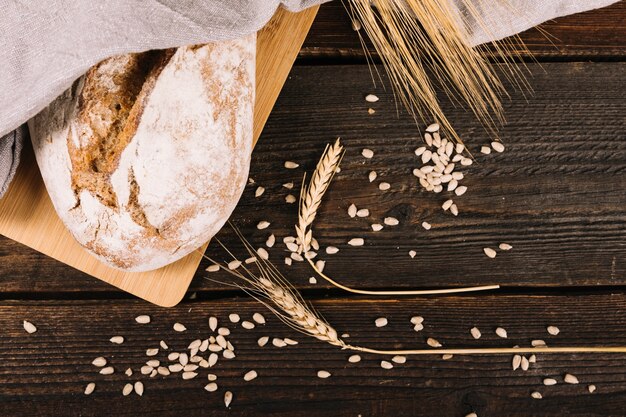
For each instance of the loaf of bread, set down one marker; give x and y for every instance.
(146, 155)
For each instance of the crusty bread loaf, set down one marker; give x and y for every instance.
(146, 156)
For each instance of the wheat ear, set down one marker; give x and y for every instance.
(272, 289)
(310, 199)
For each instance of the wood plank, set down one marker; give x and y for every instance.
(598, 34)
(44, 374)
(556, 193)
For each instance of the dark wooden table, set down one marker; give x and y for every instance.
(557, 194)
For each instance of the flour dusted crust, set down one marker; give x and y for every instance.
(146, 156)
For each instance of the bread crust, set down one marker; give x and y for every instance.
(146, 156)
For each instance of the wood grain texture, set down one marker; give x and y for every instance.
(27, 214)
(45, 373)
(556, 193)
(595, 35)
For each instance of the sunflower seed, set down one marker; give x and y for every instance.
(447, 356)
(288, 261)
(354, 359)
(107, 371)
(497, 146)
(417, 319)
(381, 322)
(433, 127)
(426, 156)
(459, 191)
(312, 280)
(212, 323)
(501, 332)
(570, 379)
(232, 265)
(323, 374)
(536, 395)
(553, 330)
(372, 176)
(128, 372)
(154, 363)
(352, 210)
(433, 342)
(485, 149)
(517, 361)
(419, 151)
(139, 388)
(505, 246)
(288, 185)
(173, 356)
(142, 319)
(99, 362)
(591, 388)
(525, 364)
(292, 246)
(29, 327)
(454, 210)
(228, 398)
(179, 327)
(212, 377)
(176, 367)
(234, 318)
(429, 139)
(418, 327)
(331, 250)
(490, 252)
(250, 375)
(399, 359)
(466, 161)
(391, 221)
(258, 317)
(213, 268)
(386, 365)
(426, 225)
(475, 333)
(278, 342)
(363, 213)
(291, 165)
(183, 359)
(290, 342)
(162, 370)
(211, 387)
(152, 352)
(447, 204)
(128, 388)
(263, 254)
(263, 224)
(367, 153)
(146, 369)
(248, 325)
(549, 381)
(213, 359)
(532, 359)
(356, 241)
(90, 388)
(319, 265)
(189, 375)
(190, 367)
(384, 186)
(371, 98)
(457, 176)
(377, 227)
(538, 343)
(259, 192)
(290, 199)
(412, 254)
(221, 341)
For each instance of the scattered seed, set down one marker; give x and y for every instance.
(433, 342)
(501, 332)
(536, 395)
(505, 246)
(291, 165)
(288, 261)
(319, 265)
(386, 365)
(570, 379)
(263, 224)
(90, 388)
(228, 398)
(452, 184)
(525, 364)
(99, 362)
(213, 323)
(312, 280)
(263, 254)
(471, 415)
(517, 361)
(179, 327)
(591, 388)
(128, 372)
(363, 213)
(497, 146)
(485, 149)
(29, 327)
(538, 343)
(432, 128)
(213, 268)
(189, 375)
(417, 320)
(107, 371)
(250, 375)
(367, 153)
(356, 241)
(399, 359)
(370, 110)
(234, 318)
(145, 370)
(154, 363)
(412, 254)
(278, 342)
(372, 176)
(377, 227)
(384, 186)
(152, 352)
(323, 374)
(259, 192)
(475, 333)
(532, 358)
(139, 388)
(490, 252)
(211, 387)
(418, 327)
(290, 342)
(290, 199)
(354, 359)
(454, 210)
(352, 210)
(331, 250)
(460, 190)
(447, 204)
(128, 388)
(258, 317)
(292, 246)
(142, 319)
(391, 221)
(381, 322)
(248, 325)
(553, 330)
(549, 381)
(371, 98)
(232, 265)
(426, 225)
(466, 161)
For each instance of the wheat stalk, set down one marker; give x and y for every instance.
(272, 289)
(311, 196)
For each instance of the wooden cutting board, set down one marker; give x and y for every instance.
(27, 214)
